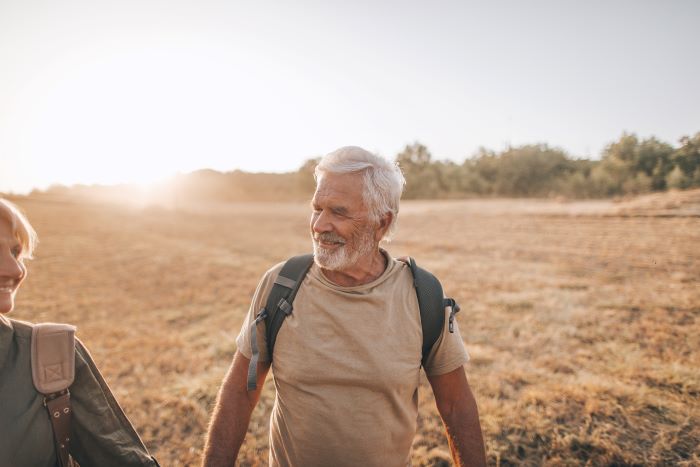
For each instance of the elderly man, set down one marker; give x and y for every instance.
(347, 359)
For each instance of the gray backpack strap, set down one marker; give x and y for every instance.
(277, 307)
(53, 371)
(432, 304)
(255, 352)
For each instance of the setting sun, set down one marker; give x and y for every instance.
(134, 92)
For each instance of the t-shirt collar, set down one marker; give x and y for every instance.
(390, 267)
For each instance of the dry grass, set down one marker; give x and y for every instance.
(583, 321)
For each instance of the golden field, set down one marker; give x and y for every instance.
(582, 318)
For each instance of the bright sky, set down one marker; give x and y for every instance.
(137, 90)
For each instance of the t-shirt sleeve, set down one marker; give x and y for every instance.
(243, 341)
(448, 352)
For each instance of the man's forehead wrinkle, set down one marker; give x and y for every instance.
(343, 194)
(339, 189)
(337, 204)
(340, 204)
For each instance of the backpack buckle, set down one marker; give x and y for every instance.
(454, 309)
(284, 306)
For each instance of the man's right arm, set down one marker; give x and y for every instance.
(231, 416)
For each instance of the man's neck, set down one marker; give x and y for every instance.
(363, 272)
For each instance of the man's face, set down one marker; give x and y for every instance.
(341, 229)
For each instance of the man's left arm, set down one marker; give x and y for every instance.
(457, 407)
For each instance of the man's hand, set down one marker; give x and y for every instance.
(457, 407)
(234, 405)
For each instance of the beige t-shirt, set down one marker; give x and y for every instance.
(346, 369)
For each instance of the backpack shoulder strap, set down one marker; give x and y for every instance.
(53, 371)
(277, 307)
(282, 295)
(432, 304)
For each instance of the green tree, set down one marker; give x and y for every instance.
(423, 178)
(306, 180)
(531, 170)
(637, 166)
(687, 159)
(480, 172)
(654, 160)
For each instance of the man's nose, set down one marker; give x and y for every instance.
(320, 223)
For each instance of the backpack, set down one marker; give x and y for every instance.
(278, 306)
(53, 354)
(53, 371)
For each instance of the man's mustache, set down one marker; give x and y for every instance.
(329, 237)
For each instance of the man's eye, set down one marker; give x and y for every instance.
(16, 251)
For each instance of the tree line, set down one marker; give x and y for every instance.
(629, 165)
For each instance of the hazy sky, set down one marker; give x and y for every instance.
(106, 92)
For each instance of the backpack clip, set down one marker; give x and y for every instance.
(284, 306)
(454, 309)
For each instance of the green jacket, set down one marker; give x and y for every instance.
(101, 435)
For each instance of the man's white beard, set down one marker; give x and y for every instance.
(346, 255)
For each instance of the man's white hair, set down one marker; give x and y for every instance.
(383, 181)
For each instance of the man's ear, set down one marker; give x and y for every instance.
(384, 223)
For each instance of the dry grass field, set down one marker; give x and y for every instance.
(582, 318)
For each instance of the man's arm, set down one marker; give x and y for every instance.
(234, 405)
(457, 407)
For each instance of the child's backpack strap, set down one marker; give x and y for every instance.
(432, 304)
(277, 307)
(53, 371)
